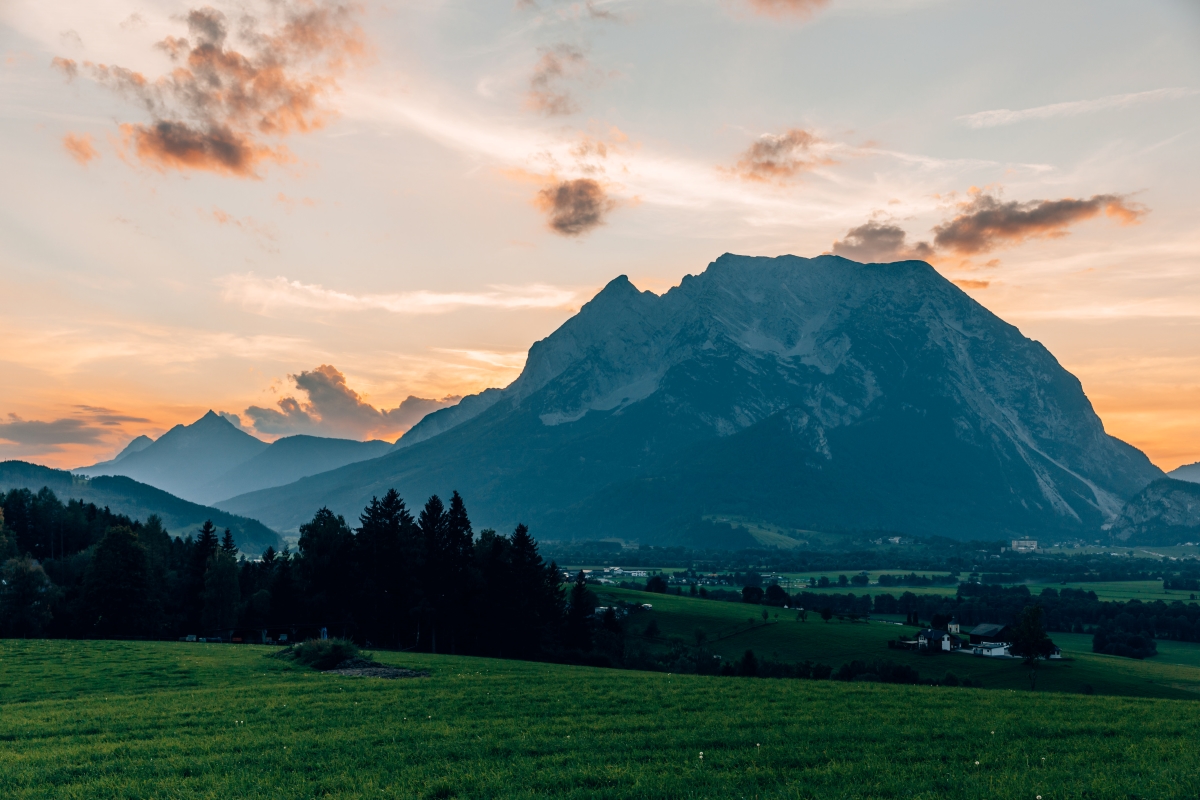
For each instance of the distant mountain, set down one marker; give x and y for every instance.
(137, 500)
(136, 446)
(1188, 472)
(287, 460)
(186, 457)
(212, 460)
(1166, 512)
(814, 394)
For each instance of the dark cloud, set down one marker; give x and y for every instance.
(333, 408)
(548, 93)
(780, 157)
(575, 207)
(879, 242)
(982, 224)
(985, 223)
(218, 107)
(786, 8)
(107, 416)
(59, 431)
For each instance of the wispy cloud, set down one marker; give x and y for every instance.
(802, 9)
(80, 147)
(270, 294)
(54, 432)
(1004, 116)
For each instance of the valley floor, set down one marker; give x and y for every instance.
(138, 720)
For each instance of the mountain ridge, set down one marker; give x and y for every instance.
(881, 396)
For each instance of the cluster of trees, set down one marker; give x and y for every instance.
(394, 580)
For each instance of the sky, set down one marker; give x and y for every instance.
(329, 218)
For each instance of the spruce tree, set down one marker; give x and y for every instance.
(115, 584)
(227, 544)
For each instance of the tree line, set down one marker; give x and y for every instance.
(423, 581)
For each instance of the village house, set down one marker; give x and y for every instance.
(938, 640)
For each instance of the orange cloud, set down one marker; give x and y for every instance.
(79, 147)
(968, 284)
(780, 157)
(333, 408)
(217, 107)
(986, 223)
(786, 8)
(575, 207)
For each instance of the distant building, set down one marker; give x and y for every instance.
(989, 633)
(1024, 545)
(937, 640)
(953, 626)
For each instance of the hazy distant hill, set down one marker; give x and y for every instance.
(1166, 512)
(137, 500)
(211, 459)
(808, 393)
(138, 444)
(186, 457)
(1188, 472)
(290, 459)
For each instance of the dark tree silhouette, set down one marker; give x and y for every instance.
(115, 585)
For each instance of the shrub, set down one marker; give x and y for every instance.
(321, 654)
(657, 584)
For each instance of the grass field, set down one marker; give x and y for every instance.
(149, 720)
(729, 634)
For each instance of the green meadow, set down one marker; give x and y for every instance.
(732, 628)
(102, 719)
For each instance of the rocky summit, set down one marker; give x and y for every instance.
(810, 394)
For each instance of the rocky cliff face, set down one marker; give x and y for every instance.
(807, 392)
(1166, 512)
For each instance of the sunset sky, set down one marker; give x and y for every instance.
(303, 213)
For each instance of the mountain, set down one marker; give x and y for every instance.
(1188, 472)
(137, 500)
(211, 460)
(186, 457)
(289, 459)
(1166, 512)
(817, 394)
(139, 444)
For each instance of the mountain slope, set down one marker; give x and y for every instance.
(186, 457)
(1188, 472)
(138, 444)
(289, 459)
(813, 393)
(126, 496)
(1166, 512)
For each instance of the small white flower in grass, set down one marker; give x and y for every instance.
(977, 763)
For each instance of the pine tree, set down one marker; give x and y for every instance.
(433, 524)
(227, 545)
(221, 594)
(115, 584)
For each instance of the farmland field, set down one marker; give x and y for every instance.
(729, 634)
(132, 720)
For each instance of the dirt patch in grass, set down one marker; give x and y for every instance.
(361, 668)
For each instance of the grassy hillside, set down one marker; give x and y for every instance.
(137, 500)
(123, 720)
(729, 634)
